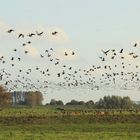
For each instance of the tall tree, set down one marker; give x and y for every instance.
(114, 102)
(5, 97)
(90, 104)
(127, 103)
(33, 98)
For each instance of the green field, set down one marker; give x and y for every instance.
(62, 131)
(46, 123)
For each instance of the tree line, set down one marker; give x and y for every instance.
(107, 102)
(31, 98)
(35, 98)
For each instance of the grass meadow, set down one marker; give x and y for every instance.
(46, 123)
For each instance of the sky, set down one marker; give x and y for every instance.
(86, 26)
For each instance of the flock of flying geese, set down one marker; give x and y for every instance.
(96, 77)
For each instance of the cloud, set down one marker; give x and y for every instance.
(1, 54)
(60, 53)
(32, 51)
(128, 57)
(60, 38)
(4, 26)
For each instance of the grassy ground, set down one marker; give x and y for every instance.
(46, 123)
(60, 131)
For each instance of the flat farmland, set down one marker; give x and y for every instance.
(51, 123)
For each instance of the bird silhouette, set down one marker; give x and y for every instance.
(54, 33)
(39, 34)
(31, 34)
(73, 53)
(26, 52)
(66, 54)
(29, 42)
(21, 35)
(121, 51)
(105, 52)
(135, 45)
(10, 30)
(23, 44)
